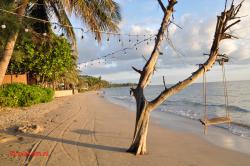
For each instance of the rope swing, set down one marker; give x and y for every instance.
(222, 119)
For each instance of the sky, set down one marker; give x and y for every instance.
(197, 19)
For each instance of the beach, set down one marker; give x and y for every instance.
(86, 129)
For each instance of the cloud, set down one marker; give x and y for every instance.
(191, 42)
(196, 38)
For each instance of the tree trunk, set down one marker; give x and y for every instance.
(5, 58)
(138, 145)
(144, 107)
(10, 44)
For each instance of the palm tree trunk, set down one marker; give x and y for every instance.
(5, 58)
(10, 44)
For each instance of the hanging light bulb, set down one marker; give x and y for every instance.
(3, 26)
(119, 38)
(108, 37)
(95, 38)
(44, 27)
(26, 30)
(82, 37)
(55, 27)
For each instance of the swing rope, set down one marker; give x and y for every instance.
(217, 120)
(225, 88)
(205, 94)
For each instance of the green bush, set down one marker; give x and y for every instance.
(14, 95)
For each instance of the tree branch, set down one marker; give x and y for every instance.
(147, 60)
(137, 70)
(222, 21)
(132, 91)
(229, 36)
(229, 26)
(162, 6)
(149, 66)
(164, 82)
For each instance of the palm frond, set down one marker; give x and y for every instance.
(98, 15)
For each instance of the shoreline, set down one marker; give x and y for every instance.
(216, 135)
(88, 130)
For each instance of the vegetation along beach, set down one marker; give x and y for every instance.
(113, 83)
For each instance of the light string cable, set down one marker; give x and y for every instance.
(79, 28)
(114, 53)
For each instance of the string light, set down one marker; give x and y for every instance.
(112, 54)
(108, 38)
(3, 26)
(26, 30)
(69, 26)
(82, 37)
(90, 31)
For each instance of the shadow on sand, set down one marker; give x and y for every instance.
(70, 142)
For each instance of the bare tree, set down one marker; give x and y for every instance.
(226, 20)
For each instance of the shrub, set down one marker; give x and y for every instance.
(14, 95)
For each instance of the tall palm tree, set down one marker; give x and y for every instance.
(98, 15)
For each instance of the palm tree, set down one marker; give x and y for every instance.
(98, 15)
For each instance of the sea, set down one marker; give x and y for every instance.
(187, 107)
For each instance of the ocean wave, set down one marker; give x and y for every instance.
(121, 97)
(197, 104)
(237, 128)
(241, 125)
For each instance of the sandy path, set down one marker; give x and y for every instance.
(86, 130)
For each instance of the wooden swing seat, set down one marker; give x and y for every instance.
(215, 121)
(222, 119)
